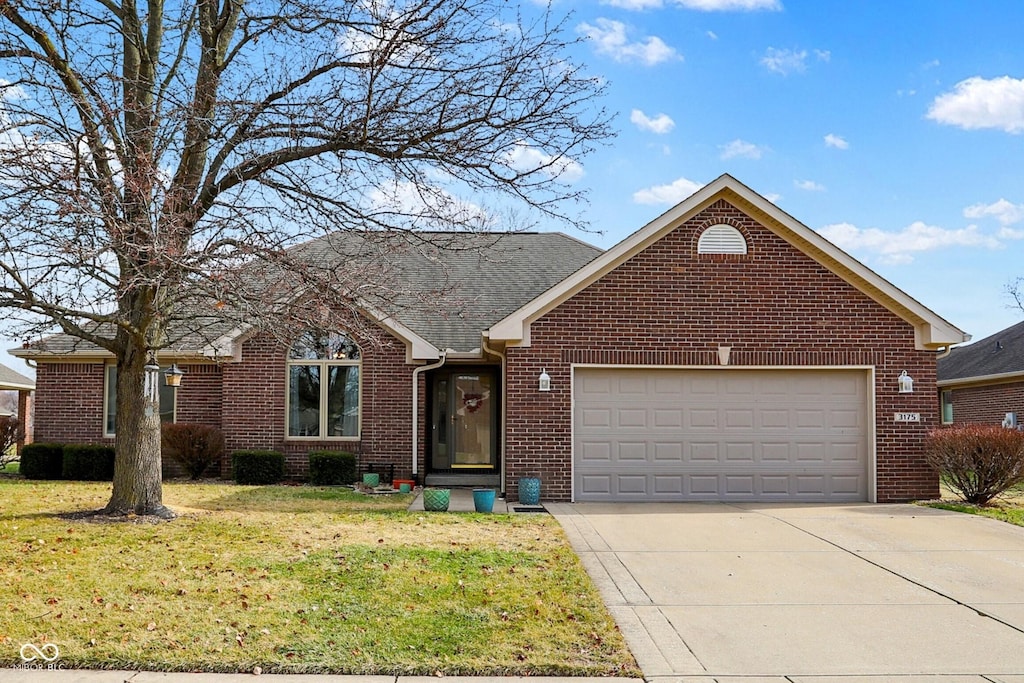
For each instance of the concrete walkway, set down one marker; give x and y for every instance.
(808, 593)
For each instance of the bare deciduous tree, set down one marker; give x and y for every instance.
(159, 160)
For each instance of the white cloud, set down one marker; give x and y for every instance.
(836, 141)
(660, 124)
(700, 5)
(434, 205)
(741, 148)
(808, 185)
(525, 158)
(712, 35)
(609, 38)
(900, 247)
(1007, 213)
(981, 103)
(784, 61)
(773, 197)
(823, 55)
(672, 193)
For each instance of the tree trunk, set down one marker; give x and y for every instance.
(138, 488)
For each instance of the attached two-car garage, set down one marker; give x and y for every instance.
(657, 434)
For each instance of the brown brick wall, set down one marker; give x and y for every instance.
(667, 306)
(69, 403)
(254, 392)
(988, 404)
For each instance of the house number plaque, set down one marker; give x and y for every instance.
(906, 417)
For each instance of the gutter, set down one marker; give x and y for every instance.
(416, 409)
(997, 378)
(504, 413)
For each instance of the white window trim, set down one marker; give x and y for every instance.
(942, 406)
(323, 364)
(108, 370)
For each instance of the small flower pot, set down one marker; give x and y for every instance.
(436, 500)
(529, 491)
(371, 479)
(483, 500)
(404, 487)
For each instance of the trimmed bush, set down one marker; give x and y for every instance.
(978, 462)
(257, 467)
(42, 460)
(88, 463)
(194, 447)
(331, 468)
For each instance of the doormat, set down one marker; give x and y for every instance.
(531, 508)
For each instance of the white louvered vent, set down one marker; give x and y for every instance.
(721, 239)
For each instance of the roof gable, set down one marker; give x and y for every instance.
(931, 331)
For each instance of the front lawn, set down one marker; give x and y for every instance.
(1008, 507)
(296, 580)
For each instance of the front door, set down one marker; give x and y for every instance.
(464, 433)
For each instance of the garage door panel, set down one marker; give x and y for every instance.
(720, 434)
(630, 451)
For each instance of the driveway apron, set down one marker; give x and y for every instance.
(807, 592)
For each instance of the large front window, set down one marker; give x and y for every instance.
(323, 387)
(167, 401)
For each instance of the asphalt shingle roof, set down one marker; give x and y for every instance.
(995, 355)
(446, 287)
(9, 379)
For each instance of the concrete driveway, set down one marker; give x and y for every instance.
(808, 593)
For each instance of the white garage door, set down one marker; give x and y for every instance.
(670, 435)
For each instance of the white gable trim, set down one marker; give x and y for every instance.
(930, 330)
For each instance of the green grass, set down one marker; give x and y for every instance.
(1009, 507)
(10, 468)
(296, 580)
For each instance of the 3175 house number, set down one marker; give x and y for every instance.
(906, 417)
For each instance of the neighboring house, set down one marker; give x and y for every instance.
(11, 380)
(725, 351)
(984, 381)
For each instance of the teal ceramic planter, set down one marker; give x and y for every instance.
(483, 500)
(371, 479)
(529, 490)
(436, 500)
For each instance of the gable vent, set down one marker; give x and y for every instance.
(721, 239)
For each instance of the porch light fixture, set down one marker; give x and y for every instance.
(906, 383)
(172, 375)
(544, 381)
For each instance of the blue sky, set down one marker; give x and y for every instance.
(896, 129)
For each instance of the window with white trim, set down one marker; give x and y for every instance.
(168, 400)
(323, 387)
(721, 239)
(947, 407)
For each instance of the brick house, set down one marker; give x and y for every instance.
(724, 351)
(984, 381)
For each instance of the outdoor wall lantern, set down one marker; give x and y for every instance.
(906, 383)
(544, 381)
(172, 375)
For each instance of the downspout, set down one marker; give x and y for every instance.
(416, 410)
(942, 354)
(504, 414)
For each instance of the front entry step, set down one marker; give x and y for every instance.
(489, 480)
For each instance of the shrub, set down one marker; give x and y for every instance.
(42, 460)
(88, 463)
(331, 468)
(257, 467)
(194, 447)
(10, 434)
(978, 462)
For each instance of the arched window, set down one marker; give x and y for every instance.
(721, 239)
(323, 387)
